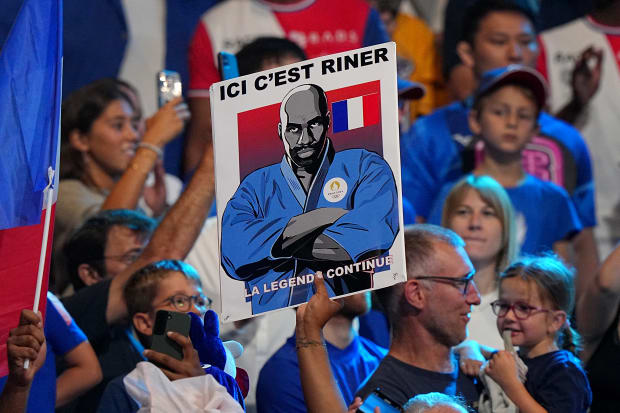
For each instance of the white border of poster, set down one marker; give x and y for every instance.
(245, 113)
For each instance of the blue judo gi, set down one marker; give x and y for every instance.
(257, 214)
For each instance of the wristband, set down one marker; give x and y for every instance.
(303, 343)
(152, 147)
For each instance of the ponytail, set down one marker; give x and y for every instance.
(555, 283)
(570, 340)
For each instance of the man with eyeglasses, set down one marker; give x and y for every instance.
(103, 247)
(100, 309)
(428, 316)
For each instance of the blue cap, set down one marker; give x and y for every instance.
(409, 90)
(514, 74)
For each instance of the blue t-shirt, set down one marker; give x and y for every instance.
(544, 214)
(558, 383)
(440, 148)
(375, 327)
(62, 335)
(279, 386)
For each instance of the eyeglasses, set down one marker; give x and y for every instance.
(127, 258)
(183, 302)
(457, 282)
(522, 311)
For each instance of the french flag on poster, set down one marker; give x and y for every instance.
(356, 112)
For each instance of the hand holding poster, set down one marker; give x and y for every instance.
(308, 180)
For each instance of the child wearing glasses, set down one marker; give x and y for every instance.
(536, 295)
(479, 211)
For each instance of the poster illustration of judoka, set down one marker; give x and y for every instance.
(317, 183)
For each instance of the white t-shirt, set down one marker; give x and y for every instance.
(145, 53)
(600, 122)
(482, 326)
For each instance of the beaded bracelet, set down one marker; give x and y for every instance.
(152, 147)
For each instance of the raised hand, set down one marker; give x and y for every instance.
(502, 368)
(26, 342)
(174, 369)
(312, 316)
(166, 123)
(586, 75)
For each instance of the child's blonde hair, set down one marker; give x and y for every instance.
(555, 284)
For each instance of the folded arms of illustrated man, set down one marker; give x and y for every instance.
(265, 228)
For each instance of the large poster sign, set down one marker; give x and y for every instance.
(308, 179)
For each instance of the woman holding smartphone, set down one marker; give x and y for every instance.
(106, 159)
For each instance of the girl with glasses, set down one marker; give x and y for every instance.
(536, 294)
(479, 210)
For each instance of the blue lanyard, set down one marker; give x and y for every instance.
(134, 342)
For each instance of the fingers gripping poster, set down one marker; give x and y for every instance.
(307, 180)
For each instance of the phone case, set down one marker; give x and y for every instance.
(227, 65)
(378, 399)
(169, 86)
(169, 321)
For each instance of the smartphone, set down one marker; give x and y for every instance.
(169, 86)
(169, 321)
(227, 65)
(378, 399)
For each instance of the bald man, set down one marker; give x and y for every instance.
(316, 210)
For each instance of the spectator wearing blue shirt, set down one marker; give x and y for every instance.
(170, 285)
(441, 147)
(504, 115)
(352, 359)
(26, 342)
(67, 341)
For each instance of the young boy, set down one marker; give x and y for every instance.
(504, 119)
(163, 285)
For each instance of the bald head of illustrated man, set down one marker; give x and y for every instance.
(304, 121)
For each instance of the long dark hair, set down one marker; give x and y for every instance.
(79, 111)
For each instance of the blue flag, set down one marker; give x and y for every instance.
(30, 101)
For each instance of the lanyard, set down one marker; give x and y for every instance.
(135, 342)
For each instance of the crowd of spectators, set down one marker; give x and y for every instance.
(510, 168)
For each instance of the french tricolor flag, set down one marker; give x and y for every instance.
(30, 102)
(356, 112)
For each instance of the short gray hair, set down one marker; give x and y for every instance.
(424, 402)
(420, 243)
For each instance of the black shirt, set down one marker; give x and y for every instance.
(558, 383)
(401, 381)
(114, 350)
